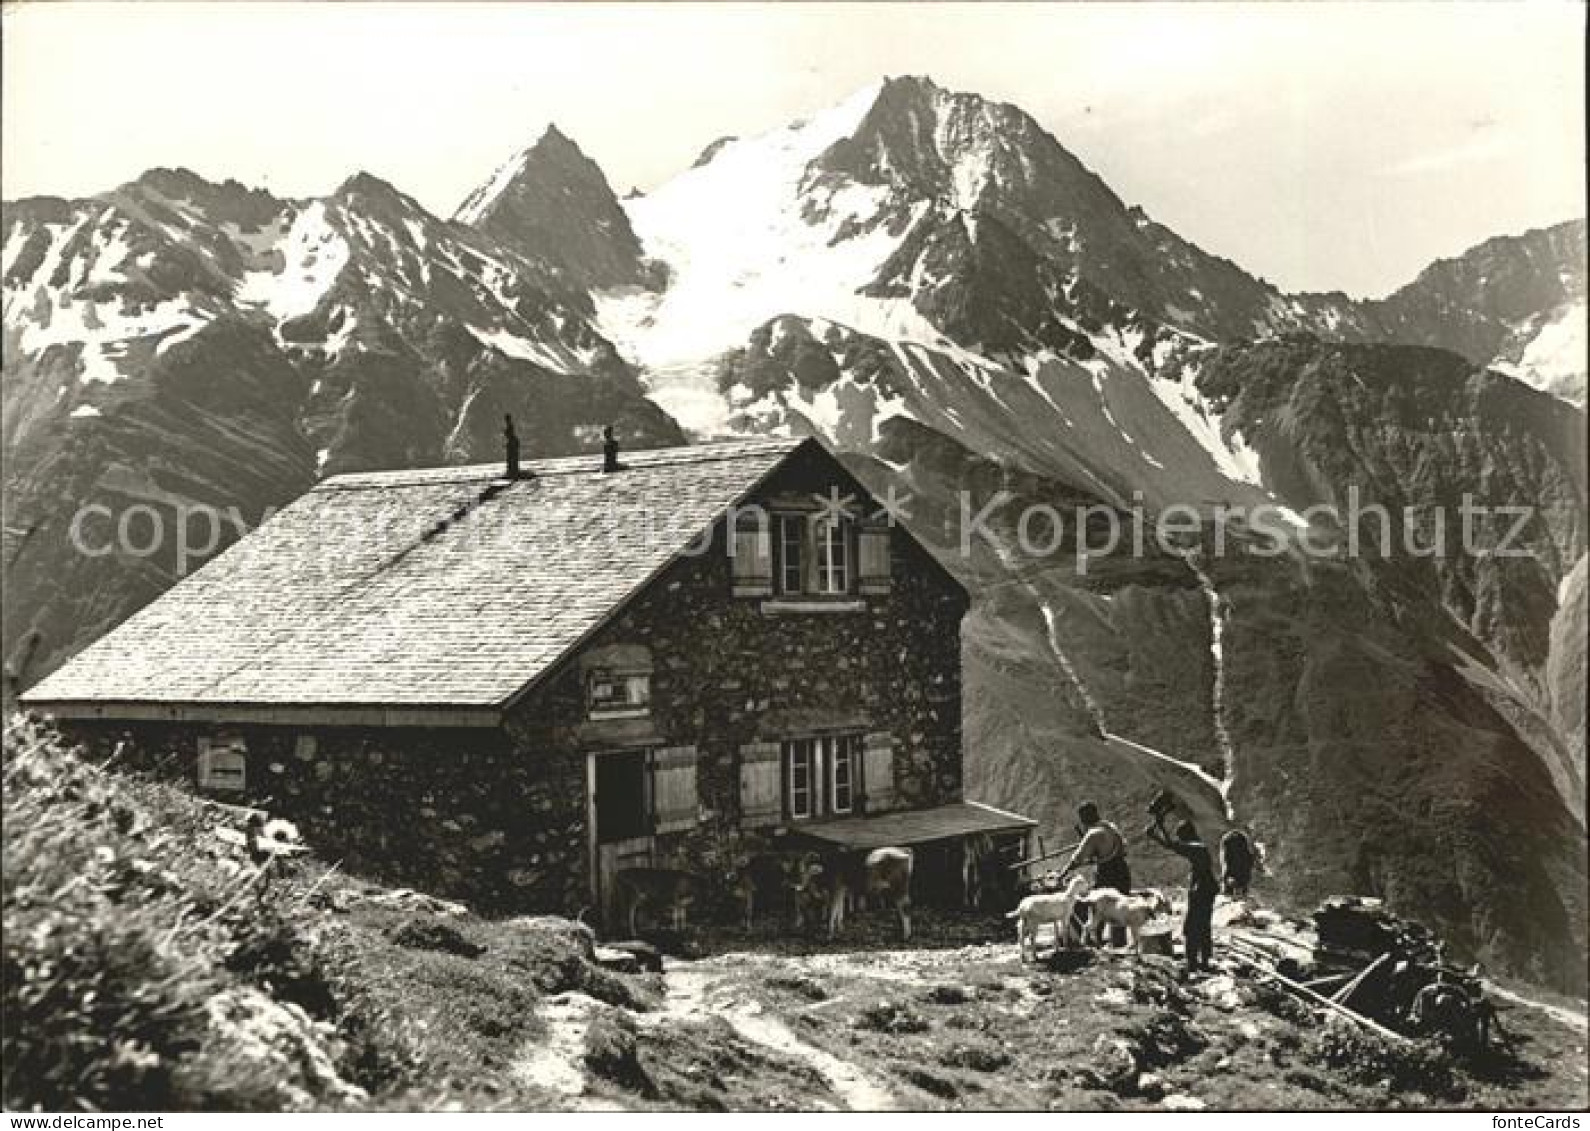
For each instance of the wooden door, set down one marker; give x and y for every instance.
(620, 826)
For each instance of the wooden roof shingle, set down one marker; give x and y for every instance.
(416, 589)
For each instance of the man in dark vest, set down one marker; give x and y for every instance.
(1104, 848)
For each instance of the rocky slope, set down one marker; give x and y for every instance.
(1516, 303)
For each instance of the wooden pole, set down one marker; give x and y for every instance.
(1352, 1015)
(1351, 987)
(1043, 855)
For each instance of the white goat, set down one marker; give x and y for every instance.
(1036, 910)
(1131, 911)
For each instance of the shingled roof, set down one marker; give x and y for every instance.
(446, 587)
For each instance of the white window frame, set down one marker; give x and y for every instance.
(820, 775)
(802, 754)
(634, 702)
(842, 753)
(833, 558)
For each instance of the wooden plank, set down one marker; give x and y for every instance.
(914, 826)
(274, 714)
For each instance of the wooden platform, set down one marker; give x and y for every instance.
(916, 826)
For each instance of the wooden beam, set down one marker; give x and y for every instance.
(1042, 856)
(273, 714)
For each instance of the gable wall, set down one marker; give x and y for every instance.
(727, 672)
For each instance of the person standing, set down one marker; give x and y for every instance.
(1104, 849)
(1198, 930)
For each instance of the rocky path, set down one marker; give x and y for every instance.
(555, 1061)
(1568, 1017)
(709, 988)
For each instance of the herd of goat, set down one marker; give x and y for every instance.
(822, 889)
(819, 887)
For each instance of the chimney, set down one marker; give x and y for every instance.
(609, 450)
(510, 443)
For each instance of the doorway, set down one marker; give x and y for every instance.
(620, 814)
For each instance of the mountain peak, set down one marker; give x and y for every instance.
(911, 85)
(554, 139)
(552, 202)
(364, 182)
(226, 200)
(374, 194)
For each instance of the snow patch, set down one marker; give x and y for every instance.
(740, 249)
(314, 254)
(1231, 454)
(1555, 357)
(481, 200)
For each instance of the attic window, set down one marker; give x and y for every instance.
(615, 694)
(804, 559)
(833, 558)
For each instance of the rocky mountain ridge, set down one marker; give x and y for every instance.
(179, 344)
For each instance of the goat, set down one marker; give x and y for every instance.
(1130, 911)
(652, 889)
(759, 878)
(838, 881)
(1053, 907)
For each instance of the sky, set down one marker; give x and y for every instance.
(1320, 145)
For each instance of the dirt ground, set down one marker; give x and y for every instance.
(778, 1020)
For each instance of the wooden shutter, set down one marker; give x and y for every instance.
(874, 554)
(761, 792)
(877, 775)
(751, 551)
(223, 762)
(677, 804)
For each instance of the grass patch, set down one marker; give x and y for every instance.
(150, 964)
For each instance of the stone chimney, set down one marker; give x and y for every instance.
(510, 444)
(610, 462)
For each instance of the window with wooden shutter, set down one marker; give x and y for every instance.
(223, 762)
(873, 552)
(877, 773)
(751, 550)
(675, 798)
(761, 799)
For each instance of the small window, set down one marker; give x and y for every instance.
(802, 760)
(615, 694)
(842, 774)
(223, 763)
(833, 558)
(791, 560)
